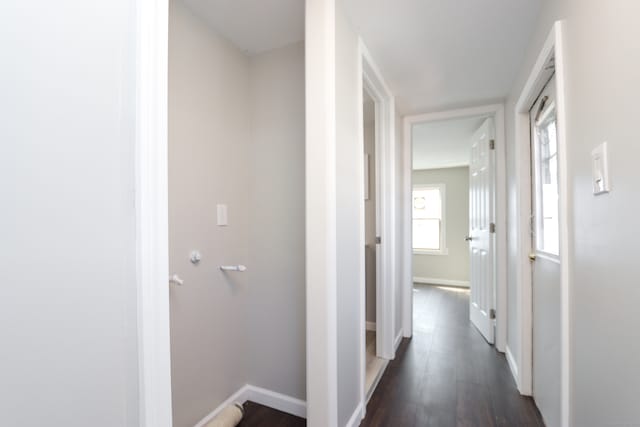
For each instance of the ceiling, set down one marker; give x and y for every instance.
(434, 54)
(438, 54)
(254, 26)
(443, 144)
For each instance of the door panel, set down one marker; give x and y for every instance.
(481, 242)
(545, 258)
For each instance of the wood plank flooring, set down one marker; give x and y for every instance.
(446, 375)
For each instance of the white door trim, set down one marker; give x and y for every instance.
(497, 112)
(374, 83)
(151, 205)
(320, 200)
(553, 48)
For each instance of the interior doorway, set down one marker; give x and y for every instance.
(374, 362)
(455, 239)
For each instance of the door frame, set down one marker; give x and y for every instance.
(497, 112)
(373, 82)
(538, 77)
(151, 211)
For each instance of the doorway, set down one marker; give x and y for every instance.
(545, 255)
(476, 147)
(375, 364)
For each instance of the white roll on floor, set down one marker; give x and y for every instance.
(228, 417)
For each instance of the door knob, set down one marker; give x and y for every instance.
(532, 257)
(468, 239)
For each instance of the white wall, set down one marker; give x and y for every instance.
(67, 251)
(348, 156)
(454, 266)
(236, 136)
(602, 66)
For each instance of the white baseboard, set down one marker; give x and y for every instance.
(357, 416)
(396, 343)
(278, 401)
(441, 282)
(512, 365)
(264, 397)
(238, 396)
(371, 326)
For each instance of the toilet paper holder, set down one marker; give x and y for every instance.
(238, 267)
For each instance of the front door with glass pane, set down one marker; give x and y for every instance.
(545, 256)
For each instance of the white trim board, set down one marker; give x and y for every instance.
(152, 224)
(356, 417)
(512, 365)
(373, 82)
(497, 112)
(265, 397)
(552, 48)
(441, 282)
(397, 341)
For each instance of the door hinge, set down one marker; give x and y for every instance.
(492, 313)
(378, 240)
(492, 227)
(492, 144)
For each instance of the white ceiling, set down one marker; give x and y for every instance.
(437, 54)
(443, 144)
(254, 26)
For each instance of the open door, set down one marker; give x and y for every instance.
(481, 229)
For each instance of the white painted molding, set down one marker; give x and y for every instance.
(237, 397)
(538, 77)
(497, 112)
(356, 417)
(278, 401)
(441, 282)
(378, 89)
(265, 397)
(371, 326)
(397, 342)
(513, 365)
(151, 210)
(320, 229)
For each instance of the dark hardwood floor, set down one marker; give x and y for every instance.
(256, 415)
(446, 375)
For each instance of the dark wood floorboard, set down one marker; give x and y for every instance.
(256, 415)
(446, 375)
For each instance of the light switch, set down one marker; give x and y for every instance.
(600, 169)
(222, 215)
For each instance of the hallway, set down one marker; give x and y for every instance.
(447, 375)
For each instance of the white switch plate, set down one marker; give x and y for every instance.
(222, 215)
(600, 169)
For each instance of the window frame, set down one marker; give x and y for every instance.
(442, 188)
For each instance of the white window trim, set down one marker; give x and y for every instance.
(443, 222)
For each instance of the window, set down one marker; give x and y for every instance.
(428, 220)
(548, 236)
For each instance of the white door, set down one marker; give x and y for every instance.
(481, 237)
(545, 257)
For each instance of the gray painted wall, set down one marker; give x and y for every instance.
(209, 148)
(603, 66)
(68, 298)
(348, 154)
(455, 265)
(276, 310)
(236, 136)
(370, 220)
